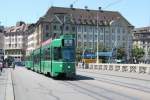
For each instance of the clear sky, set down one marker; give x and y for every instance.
(137, 12)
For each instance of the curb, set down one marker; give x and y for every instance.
(9, 87)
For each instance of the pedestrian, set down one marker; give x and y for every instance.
(1, 66)
(83, 64)
(13, 65)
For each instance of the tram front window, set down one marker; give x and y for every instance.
(68, 54)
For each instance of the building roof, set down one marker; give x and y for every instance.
(20, 27)
(142, 30)
(84, 16)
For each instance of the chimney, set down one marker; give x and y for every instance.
(86, 7)
(71, 6)
(99, 8)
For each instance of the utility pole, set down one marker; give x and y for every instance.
(97, 60)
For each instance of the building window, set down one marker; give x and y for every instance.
(12, 40)
(107, 37)
(102, 30)
(73, 29)
(79, 36)
(85, 36)
(113, 30)
(95, 36)
(113, 37)
(123, 30)
(91, 37)
(124, 38)
(106, 31)
(85, 29)
(67, 28)
(101, 37)
(47, 27)
(118, 30)
(54, 27)
(79, 28)
(79, 44)
(60, 27)
(85, 44)
(118, 37)
(90, 29)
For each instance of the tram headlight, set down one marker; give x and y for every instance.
(69, 67)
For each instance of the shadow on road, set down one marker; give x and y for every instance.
(76, 78)
(81, 77)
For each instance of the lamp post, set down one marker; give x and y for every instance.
(116, 38)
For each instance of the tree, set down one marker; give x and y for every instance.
(149, 52)
(137, 53)
(101, 48)
(121, 53)
(78, 54)
(9, 60)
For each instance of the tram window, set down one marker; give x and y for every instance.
(47, 55)
(57, 53)
(68, 54)
(37, 58)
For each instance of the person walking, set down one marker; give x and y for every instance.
(83, 64)
(1, 66)
(13, 65)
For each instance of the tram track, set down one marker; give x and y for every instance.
(127, 85)
(86, 91)
(119, 83)
(97, 90)
(49, 91)
(115, 75)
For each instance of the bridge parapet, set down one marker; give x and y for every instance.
(130, 68)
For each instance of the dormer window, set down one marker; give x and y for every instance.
(54, 27)
(47, 27)
(67, 28)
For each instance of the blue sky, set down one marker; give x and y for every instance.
(137, 12)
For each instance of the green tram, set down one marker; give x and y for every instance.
(55, 58)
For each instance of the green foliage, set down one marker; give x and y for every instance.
(149, 52)
(101, 48)
(137, 52)
(121, 53)
(78, 54)
(9, 60)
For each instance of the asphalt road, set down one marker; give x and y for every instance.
(30, 85)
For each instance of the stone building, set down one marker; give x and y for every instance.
(31, 39)
(1, 43)
(110, 27)
(15, 44)
(1, 37)
(141, 38)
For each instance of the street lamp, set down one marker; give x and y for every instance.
(116, 39)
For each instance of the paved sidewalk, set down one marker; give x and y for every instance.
(6, 88)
